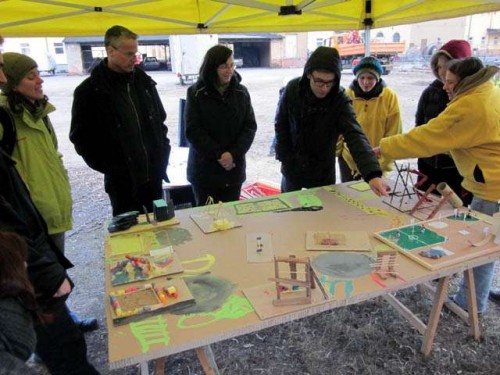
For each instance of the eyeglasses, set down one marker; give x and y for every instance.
(128, 55)
(320, 83)
(226, 66)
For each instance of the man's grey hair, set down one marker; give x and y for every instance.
(115, 33)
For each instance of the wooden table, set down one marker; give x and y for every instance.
(224, 254)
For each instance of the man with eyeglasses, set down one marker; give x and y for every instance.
(118, 126)
(313, 112)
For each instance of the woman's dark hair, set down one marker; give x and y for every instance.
(215, 56)
(465, 67)
(14, 281)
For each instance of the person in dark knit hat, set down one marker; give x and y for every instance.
(370, 65)
(16, 67)
(28, 108)
(313, 112)
(441, 167)
(377, 110)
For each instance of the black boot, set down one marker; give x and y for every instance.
(495, 295)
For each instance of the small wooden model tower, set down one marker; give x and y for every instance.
(293, 283)
(405, 188)
(385, 264)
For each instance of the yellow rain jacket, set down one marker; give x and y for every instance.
(379, 117)
(469, 128)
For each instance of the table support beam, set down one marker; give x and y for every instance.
(406, 313)
(472, 304)
(207, 360)
(437, 305)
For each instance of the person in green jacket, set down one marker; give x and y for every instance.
(469, 129)
(35, 152)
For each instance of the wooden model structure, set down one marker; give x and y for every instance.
(385, 264)
(214, 218)
(292, 284)
(413, 201)
(447, 195)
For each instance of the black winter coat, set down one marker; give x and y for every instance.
(215, 124)
(118, 128)
(307, 130)
(432, 102)
(46, 264)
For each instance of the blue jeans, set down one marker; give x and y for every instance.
(483, 275)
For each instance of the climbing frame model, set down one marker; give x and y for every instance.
(292, 290)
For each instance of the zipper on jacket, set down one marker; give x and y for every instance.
(139, 127)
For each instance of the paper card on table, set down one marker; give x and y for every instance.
(350, 241)
(259, 248)
(360, 186)
(168, 250)
(261, 205)
(309, 200)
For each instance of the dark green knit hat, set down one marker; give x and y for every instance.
(16, 66)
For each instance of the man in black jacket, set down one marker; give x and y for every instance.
(312, 113)
(118, 126)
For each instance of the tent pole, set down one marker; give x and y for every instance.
(367, 40)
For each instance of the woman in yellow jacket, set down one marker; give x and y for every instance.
(35, 152)
(377, 110)
(469, 129)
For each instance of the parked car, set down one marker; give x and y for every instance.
(238, 63)
(150, 63)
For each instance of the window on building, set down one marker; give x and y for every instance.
(25, 48)
(380, 34)
(396, 38)
(319, 42)
(59, 48)
(495, 41)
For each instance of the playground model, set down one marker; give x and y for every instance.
(130, 268)
(292, 290)
(214, 218)
(139, 302)
(441, 242)
(385, 264)
(331, 241)
(406, 197)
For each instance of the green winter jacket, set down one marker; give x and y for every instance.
(40, 165)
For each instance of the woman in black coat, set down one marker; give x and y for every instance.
(220, 128)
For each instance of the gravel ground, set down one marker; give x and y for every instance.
(368, 338)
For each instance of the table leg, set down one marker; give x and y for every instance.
(472, 304)
(437, 305)
(144, 368)
(159, 366)
(207, 360)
